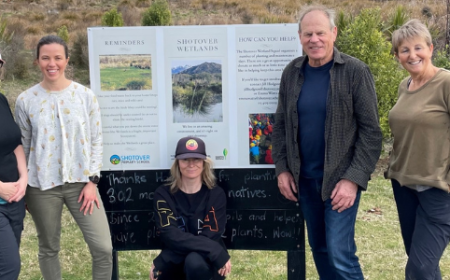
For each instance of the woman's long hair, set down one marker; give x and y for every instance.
(208, 177)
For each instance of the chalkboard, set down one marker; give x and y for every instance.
(258, 216)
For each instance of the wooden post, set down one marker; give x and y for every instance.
(296, 265)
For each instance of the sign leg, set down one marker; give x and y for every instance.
(115, 272)
(296, 265)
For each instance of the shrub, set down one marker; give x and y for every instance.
(125, 3)
(129, 16)
(247, 18)
(275, 19)
(342, 21)
(142, 3)
(5, 37)
(135, 85)
(426, 12)
(19, 60)
(112, 18)
(158, 14)
(62, 5)
(80, 51)
(363, 39)
(63, 33)
(442, 58)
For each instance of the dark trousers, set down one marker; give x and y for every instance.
(11, 226)
(194, 267)
(425, 226)
(331, 235)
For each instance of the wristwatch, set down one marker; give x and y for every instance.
(94, 179)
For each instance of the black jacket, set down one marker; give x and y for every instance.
(182, 233)
(352, 132)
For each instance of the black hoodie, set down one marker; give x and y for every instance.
(184, 229)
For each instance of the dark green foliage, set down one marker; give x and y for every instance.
(18, 61)
(342, 21)
(112, 18)
(363, 39)
(396, 19)
(80, 55)
(426, 12)
(157, 15)
(5, 37)
(135, 85)
(441, 58)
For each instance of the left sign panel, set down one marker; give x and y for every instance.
(124, 65)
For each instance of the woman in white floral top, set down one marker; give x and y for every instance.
(62, 137)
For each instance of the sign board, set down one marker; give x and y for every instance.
(258, 216)
(158, 84)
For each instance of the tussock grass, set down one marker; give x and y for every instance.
(37, 17)
(206, 11)
(33, 30)
(380, 248)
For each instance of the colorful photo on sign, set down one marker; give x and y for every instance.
(260, 128)
(125, 72)
(197, 91)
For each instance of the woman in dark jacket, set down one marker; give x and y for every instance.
(13, 183)
(191, 219)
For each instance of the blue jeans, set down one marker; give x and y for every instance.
(330, 234)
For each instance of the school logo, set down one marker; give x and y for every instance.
(191, 145)
(114, 159)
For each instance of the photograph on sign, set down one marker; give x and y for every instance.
(260, 128)
(197, 91)
(125, 72)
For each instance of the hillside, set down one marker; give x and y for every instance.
(211, 68)
(32, 19)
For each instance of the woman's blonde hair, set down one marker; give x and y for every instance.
(208, 177)
(411, 29)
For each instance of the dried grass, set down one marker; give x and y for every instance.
(70, 16)
(33, 30)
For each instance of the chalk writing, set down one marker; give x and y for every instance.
(257, 217)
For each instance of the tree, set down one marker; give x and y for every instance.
(363, 38)
(158, 14)
(112, 18)
(63, 33)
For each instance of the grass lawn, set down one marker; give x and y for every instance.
(380, 248)
(117, 78)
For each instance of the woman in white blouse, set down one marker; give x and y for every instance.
(62, 138)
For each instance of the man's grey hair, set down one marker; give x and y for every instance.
(329, 13)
